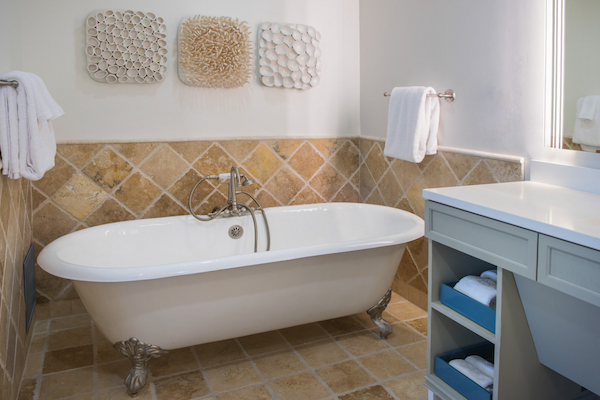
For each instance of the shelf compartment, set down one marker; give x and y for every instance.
(468, 307)
(464, 321)
(459, 382)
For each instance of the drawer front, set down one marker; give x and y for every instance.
(570, 268)
(501, 244)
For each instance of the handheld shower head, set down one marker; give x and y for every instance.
(247, 181)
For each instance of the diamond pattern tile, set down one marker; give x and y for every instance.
(108, 169)
(164, 166)
(306, 161)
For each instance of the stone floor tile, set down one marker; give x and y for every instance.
(302, 386)
(219, 352)
(416, 353)
(403, 335)
(345, 376)
(298, 335)
(232, 376)
(70, 322)
(175, 361)
(121, 393)
(362, 343)
(112, 374)
(322, 353)
(70, 338)
(371, 393)
(70, 358)
(184, 386)
(279, 364)
(340, 326)
(405, 311)
(419, 324)
(251, 393)
(411, 387)
(67, 384)
(263, 343)
(387, 364)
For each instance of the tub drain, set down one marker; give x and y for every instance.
(236, 232)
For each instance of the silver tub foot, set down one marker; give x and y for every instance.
(140, 355)
(375, 314)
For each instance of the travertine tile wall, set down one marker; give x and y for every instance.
(397, 183)
(93, 184)
(15, 238)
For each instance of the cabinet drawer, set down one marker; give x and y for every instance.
(500, 244)
(570, 268)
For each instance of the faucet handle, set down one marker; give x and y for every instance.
(225, 176)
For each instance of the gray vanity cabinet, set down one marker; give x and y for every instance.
(462, 243)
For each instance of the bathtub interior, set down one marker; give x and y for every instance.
(176, 240)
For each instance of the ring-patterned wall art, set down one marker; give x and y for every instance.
(126, 47)
(289, 55)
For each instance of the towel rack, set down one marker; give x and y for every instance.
(9, 83)
(449, 95)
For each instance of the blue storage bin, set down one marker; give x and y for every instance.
(463, 304)
(457, 380)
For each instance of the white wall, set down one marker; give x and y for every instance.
(489, 52)
(54, 43)
(10, 37)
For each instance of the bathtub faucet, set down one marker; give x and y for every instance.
(233, 207)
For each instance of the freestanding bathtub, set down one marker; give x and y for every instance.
(175, 282)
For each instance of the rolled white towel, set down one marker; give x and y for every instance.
(481, 364)
(471, 372)
(490, 274)
(481, 289)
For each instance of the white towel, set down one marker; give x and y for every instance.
(29, 147)
(474, 374)
(490, 274)
(481, 364)
(413, 122)
(481, 289)
(587, 130)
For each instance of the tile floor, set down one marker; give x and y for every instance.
(336, 359)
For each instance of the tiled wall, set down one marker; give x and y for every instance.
(93, 184)
(15, 238)
(399, 184)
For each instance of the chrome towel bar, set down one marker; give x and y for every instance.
(9, 83)
(449, 95)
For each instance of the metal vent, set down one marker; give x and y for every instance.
(236, 232)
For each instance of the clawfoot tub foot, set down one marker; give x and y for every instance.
(375, 313)
(140, 354)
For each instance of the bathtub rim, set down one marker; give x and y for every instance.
(50, 262)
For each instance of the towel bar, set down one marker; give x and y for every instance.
(449, 95)
(9, 83)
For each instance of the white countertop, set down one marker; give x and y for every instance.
(564, 213)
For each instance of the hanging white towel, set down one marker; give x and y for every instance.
(413, 122)
(587, 123)
(28, 145)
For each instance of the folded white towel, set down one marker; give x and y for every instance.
(481, 364)
(481, 289)
(474, 374)
(587, 130)
(32, 145)
(490, 274)
(413, 121)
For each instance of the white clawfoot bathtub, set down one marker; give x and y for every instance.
(175, 282)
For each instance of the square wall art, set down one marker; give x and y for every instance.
(214, 52)
(126, 47)
(290, 55)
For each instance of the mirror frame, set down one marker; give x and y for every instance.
(555, 41)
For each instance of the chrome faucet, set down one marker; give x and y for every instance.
(233, 208)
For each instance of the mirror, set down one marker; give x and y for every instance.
(575, 104)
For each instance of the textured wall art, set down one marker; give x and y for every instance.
(290, 55)
(126, 47)
(214, 52)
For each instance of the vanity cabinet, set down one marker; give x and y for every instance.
(462, 243)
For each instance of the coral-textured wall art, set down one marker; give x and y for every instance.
(126, 47)
(290, 55)
(214, 52)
